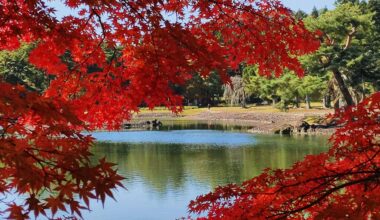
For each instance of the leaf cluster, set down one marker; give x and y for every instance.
(286, 89)
(341, 183)
(45, 157)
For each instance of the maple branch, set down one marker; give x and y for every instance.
(136, 12)
(4, 19)
(369, 160)
(239, 23)
(224, 3)
(326, 194)
(249, 10)
(100, 22)
(42, 166)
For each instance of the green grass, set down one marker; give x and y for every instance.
(193, 110)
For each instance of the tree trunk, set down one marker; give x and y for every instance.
(274, 102)
(243, 102)
(342, 87)
(297, 101)
(307, 100)
(336, 103)
(327, 101)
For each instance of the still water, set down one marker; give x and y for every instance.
(166, 169)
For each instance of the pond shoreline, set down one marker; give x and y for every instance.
(257, 122)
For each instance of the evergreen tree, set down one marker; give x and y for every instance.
(299, 15)
(16, 69)
(314, 12)
(346, 33)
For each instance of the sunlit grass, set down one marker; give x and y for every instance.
(194, 110)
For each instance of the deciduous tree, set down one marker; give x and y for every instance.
(341, 183)
(106, 59)
(235, 93)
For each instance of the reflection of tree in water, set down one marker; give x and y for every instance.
(202, 125)
(159, 165)
(169, 167)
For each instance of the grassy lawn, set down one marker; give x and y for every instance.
(193, 110)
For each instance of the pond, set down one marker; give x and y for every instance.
(166, 169)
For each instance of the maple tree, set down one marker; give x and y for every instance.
(341, 183)
(106, 60)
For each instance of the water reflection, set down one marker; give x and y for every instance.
(203, 137)
(168, 165)
(202, 125)
(163, 178)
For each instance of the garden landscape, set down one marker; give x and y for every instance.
(182, 109)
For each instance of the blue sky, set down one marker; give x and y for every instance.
(307, 5)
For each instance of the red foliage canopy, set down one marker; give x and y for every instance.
(340, 184)
(162, 43)
(154, 44)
